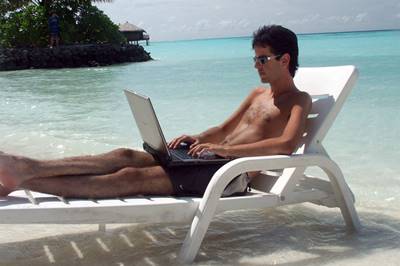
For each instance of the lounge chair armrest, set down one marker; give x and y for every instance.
(263, 163)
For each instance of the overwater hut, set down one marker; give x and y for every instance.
(134, 33)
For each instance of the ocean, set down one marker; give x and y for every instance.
(193, 85)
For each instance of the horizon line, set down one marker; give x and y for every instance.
(302, 33)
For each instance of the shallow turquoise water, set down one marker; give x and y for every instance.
(196, 84)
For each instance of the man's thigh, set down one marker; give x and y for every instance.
(190, 180)
(136, 158)
(146, 180)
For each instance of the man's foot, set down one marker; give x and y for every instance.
(13, 171)
(4, 192)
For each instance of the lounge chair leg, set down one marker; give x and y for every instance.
(102, 228)
(345, 199)
(195, 236)
(200, 223)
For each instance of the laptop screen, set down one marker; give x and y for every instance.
(147, 122)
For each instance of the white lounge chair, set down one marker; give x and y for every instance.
(329, 87)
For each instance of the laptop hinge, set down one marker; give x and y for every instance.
(163, 160)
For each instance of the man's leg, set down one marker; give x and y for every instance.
(57, 40)
(4, 191)
(128, 181)
(15, 169)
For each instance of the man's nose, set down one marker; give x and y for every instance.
(257, 64)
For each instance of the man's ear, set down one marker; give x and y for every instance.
(285, 59)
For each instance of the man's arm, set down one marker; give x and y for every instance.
(286, 143)
(218, 133)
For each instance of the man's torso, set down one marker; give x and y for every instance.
(265, 118)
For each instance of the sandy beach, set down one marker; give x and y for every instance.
(296, 235)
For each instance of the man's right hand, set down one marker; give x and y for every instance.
(176, 142)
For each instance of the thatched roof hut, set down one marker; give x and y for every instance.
(133, 33)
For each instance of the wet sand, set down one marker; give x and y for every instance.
(295, 235)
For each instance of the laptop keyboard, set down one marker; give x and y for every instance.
(180, 153)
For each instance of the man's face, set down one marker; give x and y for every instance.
(267, 64)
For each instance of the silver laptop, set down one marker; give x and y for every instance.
(153, 137)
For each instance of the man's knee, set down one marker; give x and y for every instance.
(124, 153)
(142, 173)
(130, 172)
(134, 158)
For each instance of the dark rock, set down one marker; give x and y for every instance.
(93, 63)
(92, 55)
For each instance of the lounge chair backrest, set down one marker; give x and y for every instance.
(329, 88)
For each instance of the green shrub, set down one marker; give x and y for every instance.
(25, 27)
(80, 22)
(94, 26)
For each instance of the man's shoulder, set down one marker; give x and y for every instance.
(302, 98)
(258, 90)
(254, 93)
(300, 95)
(304, 95)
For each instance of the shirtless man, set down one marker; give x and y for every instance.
(269, 121)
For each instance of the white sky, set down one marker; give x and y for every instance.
(195, 19)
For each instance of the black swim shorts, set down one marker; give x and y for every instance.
(191, 180)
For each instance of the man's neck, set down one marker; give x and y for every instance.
(282, 86)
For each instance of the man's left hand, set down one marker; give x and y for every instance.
(218, 149)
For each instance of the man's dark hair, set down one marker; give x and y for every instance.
(281, 41)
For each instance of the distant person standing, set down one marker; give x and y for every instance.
(54, 27)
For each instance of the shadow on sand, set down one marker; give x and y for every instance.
(285, 236)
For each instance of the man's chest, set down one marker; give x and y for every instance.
(265, 112)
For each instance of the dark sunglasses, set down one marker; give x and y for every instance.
(263, 59)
